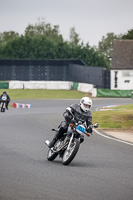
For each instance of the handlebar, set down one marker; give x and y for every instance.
(80, 127)
(92, 125)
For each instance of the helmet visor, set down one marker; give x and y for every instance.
(87, 106)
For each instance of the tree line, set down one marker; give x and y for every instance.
(44, 41)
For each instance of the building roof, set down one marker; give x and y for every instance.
(122, 55)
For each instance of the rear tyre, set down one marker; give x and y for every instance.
(69, 155)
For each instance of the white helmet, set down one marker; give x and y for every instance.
(85, 104)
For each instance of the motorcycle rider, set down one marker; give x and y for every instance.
(81, 112)
(7, 98)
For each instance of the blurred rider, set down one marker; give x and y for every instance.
(79, 111)
(6, 96)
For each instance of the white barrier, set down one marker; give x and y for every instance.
(64, 85)
(49, 85)
(93, 92)
(84, 87)
(16, 84)
(52, 85)
(88, 88)
(35, 85)
(58, 85)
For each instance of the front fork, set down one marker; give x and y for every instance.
(68, 147)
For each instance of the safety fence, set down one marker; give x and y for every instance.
(54, 70)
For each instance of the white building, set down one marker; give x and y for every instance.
(122, 65)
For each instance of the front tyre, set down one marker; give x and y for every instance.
(51, 155)
(3, 107)
(69, 155)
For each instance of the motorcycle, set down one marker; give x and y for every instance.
(3, 103)
(68, 146)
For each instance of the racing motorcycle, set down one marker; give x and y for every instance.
(3, 103)
(68, 146)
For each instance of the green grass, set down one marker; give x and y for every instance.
(43, 94)
(119, 118)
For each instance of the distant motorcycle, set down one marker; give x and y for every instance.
(68, 146)
(3, 103)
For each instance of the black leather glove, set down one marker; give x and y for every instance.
(89, 129)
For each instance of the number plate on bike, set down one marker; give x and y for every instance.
(80, 129)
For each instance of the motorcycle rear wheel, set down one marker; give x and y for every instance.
(51, 155)
(69, 155)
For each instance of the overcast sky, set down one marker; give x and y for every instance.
(92, 19)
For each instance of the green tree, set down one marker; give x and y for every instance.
(6, 36)
(93, 57)
(128, 35)
(105, 45)
(74, 37)
(42, 28)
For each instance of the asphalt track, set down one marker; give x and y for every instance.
(102, 169)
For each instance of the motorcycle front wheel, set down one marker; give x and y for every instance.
(51, 155)
(3, 108)
(70, 153)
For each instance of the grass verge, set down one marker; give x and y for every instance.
(120, 118)
(43, 94)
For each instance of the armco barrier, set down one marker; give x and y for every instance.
(18, 105)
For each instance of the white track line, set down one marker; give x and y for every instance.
(111, 138)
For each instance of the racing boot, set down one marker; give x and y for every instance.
(52, 143)
(58, 135)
